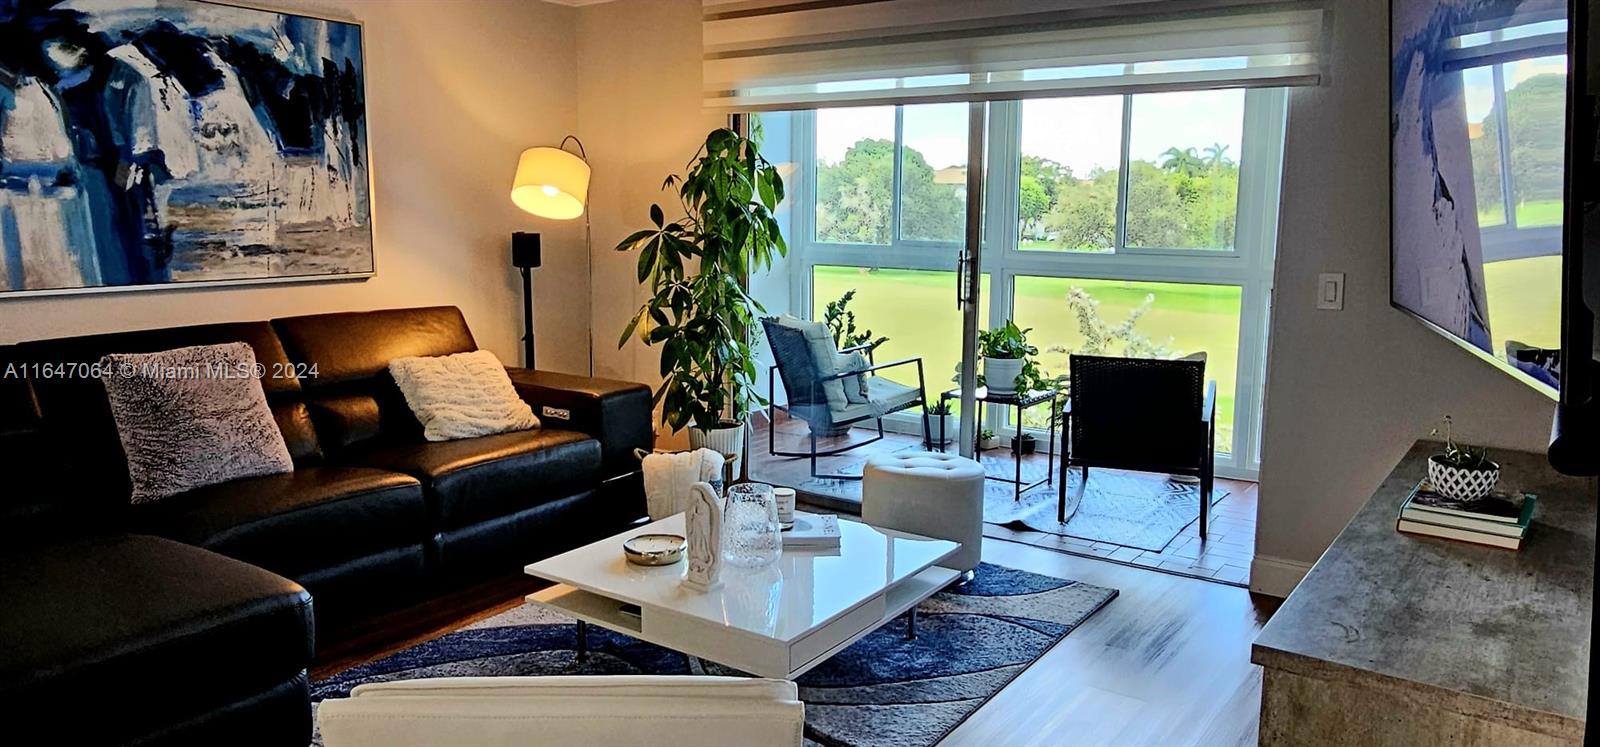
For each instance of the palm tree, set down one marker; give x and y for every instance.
(1216, 155)
(1186, 161)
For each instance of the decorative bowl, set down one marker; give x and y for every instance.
(655, 549)
(1461, 484)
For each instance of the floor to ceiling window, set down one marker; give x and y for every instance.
(1137, 224)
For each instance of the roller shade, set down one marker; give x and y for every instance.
(767, 55)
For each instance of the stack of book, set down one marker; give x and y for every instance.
(812, 532)
(1499, 519)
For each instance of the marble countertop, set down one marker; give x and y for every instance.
(1495, 632)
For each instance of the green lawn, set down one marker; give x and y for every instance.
(1530, 213)
(1524, 301)
(916, 310)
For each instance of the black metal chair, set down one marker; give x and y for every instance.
(803, 383)
(1144, 415)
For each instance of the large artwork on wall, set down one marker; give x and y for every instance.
(161, 143)
(1477, 121)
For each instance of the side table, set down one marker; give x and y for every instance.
(1021, 401)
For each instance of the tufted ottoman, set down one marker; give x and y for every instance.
(931, 494)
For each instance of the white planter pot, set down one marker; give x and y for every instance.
(1000, 374)
(1460, 484)
(951, 425)
(992, 442)
(725, 440)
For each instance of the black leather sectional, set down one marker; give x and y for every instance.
(193, 618)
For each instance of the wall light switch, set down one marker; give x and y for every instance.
(1330, 291)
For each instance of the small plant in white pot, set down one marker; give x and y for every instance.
(987, 440)
(698, 311)
(1461, 473)
(1008, 363)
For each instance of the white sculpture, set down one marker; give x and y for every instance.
(703, 523)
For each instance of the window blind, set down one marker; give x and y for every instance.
(769, 55)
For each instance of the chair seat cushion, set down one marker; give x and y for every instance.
(883, 396)
(297, 522)
(144, 631)
(478, 479)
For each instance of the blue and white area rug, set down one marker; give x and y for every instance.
(884, 689)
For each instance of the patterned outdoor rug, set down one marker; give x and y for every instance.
(1133, 509)
(883, 690)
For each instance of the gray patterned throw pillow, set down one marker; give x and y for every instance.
(192, 417)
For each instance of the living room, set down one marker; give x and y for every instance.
(318, 429)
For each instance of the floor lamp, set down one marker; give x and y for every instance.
(552, 183)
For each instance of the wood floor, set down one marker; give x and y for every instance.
(1223, 556)
(1165, 663)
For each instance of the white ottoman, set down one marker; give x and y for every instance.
(931, 494)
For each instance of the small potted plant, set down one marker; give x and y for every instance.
(1024, 443)
(1006, 354)
(941, 421)
(987, 440)
(1461, 473)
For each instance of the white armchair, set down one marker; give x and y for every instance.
(647, 711)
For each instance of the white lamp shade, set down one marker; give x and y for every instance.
(551, 183)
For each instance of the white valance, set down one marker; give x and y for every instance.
(767, 55)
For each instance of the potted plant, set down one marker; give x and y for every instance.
(701, 319)
(1008, 364)
(1461, 473)
(841, 322)
(1024, 444)
(987, 440)
(941, 419)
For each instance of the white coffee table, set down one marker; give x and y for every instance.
(776, 622)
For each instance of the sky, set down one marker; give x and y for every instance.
(1479, 81)
(1081, 132)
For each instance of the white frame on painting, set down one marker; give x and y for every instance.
(361, 144)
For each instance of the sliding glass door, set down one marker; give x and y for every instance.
(1139, 224)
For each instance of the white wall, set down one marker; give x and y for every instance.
(455, 91)
(1349, 391)
(640, 114)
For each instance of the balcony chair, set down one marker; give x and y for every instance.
(818, 391)
(1144, 415)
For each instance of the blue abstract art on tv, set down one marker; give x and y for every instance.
(162, 142)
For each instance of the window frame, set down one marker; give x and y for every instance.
(1249, 264)
(1508, 240)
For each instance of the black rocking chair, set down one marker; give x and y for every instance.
(804, 385)
(1143, 415)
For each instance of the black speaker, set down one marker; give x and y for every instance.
(524, 249)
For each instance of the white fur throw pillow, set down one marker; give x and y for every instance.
(461, 396)
(192, 417)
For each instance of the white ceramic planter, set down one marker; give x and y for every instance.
(1460, 484)
(725, 440)
(1000, 374)
(951, 425)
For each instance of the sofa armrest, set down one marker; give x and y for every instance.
(622, 710)
(615, 413)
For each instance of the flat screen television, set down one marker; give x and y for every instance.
(1492, 149)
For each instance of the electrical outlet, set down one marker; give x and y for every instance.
(1330, 291)
(556, 413)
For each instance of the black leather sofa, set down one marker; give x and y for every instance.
(223, 587)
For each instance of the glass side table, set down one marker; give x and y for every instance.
(1021, 401)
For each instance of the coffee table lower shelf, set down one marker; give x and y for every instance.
(735, 646)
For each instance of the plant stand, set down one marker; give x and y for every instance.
(1020, 401)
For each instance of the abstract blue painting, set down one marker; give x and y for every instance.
(153, 143)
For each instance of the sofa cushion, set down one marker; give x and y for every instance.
(207, 424)
(354, 346)
(464, 395)
(77, 416)
(483, 478)
(148, 632)
(297, 522)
